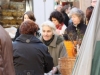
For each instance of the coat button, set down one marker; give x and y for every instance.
(28, 40)
(28, 73)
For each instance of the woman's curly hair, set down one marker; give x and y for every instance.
(58, 15)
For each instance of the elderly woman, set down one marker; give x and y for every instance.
(77, 28)
(30, 55)
(54, 42)
(58, 19)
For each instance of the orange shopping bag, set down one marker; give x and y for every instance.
(71, 48)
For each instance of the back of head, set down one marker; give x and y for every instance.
(89, 11)
(58, 8)
(28, 27)
(64, 8)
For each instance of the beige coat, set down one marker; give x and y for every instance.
(6, 54)
(57, 48)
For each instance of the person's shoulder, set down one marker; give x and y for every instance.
(42, 45)
(59, 39)
(64, 27)
(84, 25)
(15, 42)
(70, 27)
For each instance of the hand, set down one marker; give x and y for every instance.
(54, 70)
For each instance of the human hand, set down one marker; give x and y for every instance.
(54, 70)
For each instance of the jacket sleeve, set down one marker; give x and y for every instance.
(63, 50)
(17, 34)
(65, 34)
(63, 53)
(48, 65)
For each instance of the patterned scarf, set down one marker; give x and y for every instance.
(59, 27)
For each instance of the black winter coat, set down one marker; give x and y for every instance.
(18, 34)
(66, 19)
(31, 56)
(74, 33)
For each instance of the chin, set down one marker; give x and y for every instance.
(46, 39)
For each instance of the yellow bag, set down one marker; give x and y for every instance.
(70, 48)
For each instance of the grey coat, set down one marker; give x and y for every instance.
(57, 48)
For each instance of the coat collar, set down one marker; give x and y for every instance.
(79, 25)
(27, 38)
(53, 43)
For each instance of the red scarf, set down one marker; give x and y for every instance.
(59, 27)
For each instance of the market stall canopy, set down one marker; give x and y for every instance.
(84, 59)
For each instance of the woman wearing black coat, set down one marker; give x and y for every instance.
(27, 15)
(31, 56)
(77, 29)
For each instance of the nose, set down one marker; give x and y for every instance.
(52, 21)
(45, 33)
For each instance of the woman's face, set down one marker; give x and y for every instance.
(55, 21)
(47, 33)
(26, 17)
(75, 19)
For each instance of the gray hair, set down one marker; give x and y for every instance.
(63, 10)
(79, 13)
(57, 6)
(49, 24)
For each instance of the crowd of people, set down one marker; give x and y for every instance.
(35, 50)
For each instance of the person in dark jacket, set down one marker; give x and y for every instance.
(65, 10)
(77, 29)
(27, 15)
(30, 55)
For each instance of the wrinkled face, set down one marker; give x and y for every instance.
(75, 19)
(26, 17)
(47, 33)
(55, 21)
